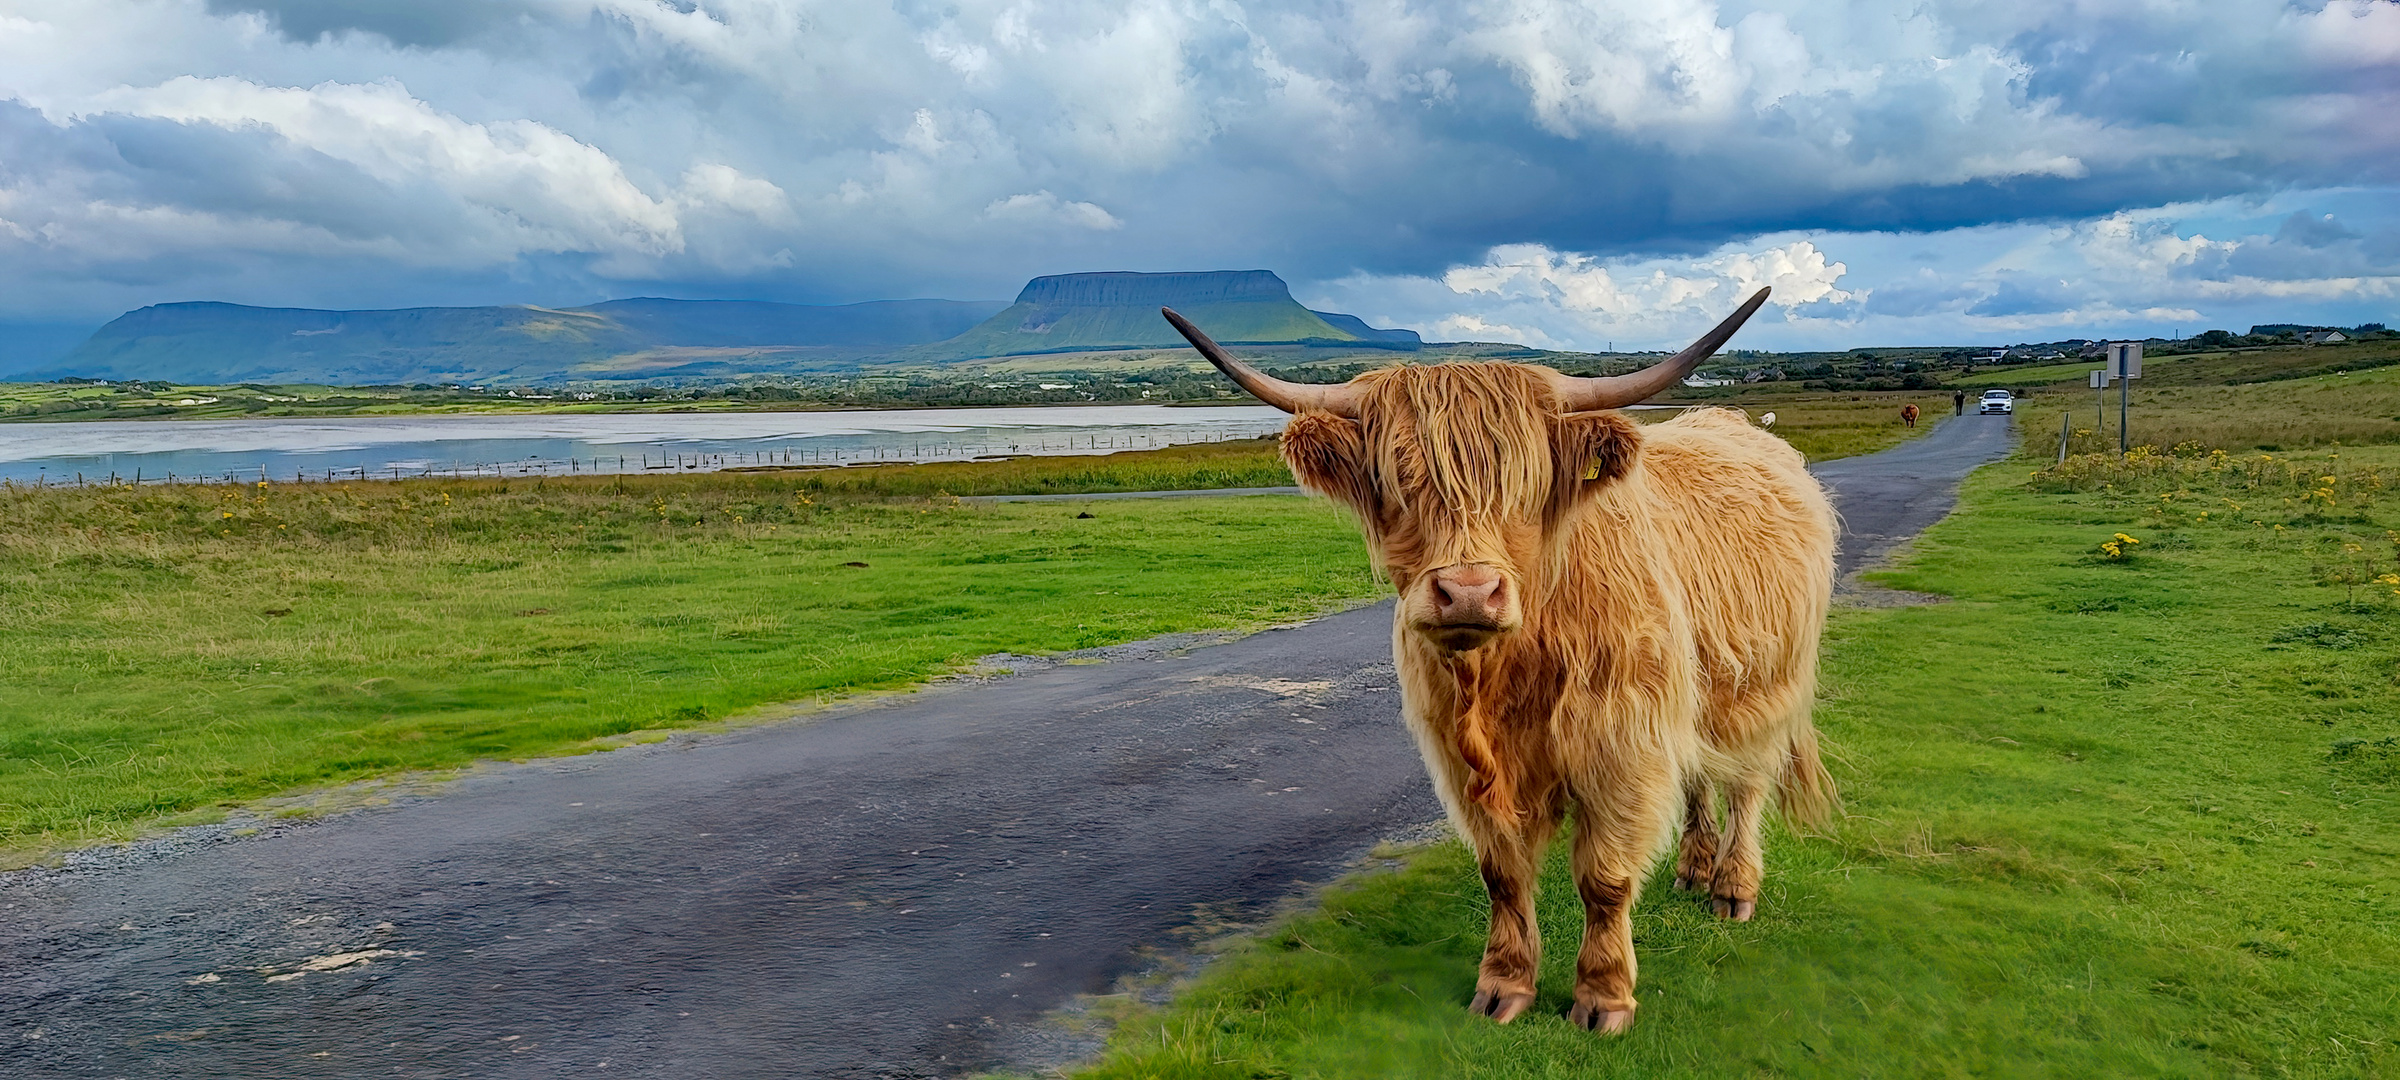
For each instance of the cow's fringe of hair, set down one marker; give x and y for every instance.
(1491, 787)
(1806, 793)
(1475, 443)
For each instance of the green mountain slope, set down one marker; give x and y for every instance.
(1088, 312)
(211, 342)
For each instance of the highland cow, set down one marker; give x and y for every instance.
(1596, 619)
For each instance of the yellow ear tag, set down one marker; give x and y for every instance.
(1591, 470)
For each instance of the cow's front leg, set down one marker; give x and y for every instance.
(1512, 953)
(1696, 859)
(1614, 847)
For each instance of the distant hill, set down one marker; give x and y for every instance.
(228, 343)
(1091, 312)
(1406, 340)
(652, 338)
(37, 346)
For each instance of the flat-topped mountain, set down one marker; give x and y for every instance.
(713, 339)
(1090, 312)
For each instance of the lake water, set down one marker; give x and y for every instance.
(537, 445)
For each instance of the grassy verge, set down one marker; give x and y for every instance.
(2106, 816)
(173, 650)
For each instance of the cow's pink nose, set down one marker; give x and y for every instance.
(1469, 593)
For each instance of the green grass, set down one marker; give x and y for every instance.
(2022, 377)
(2105, 817)
(1824, 425)
(170, 651)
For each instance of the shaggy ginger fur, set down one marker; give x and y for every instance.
(1669, 585)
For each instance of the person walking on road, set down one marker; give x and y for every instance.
(1958, 401)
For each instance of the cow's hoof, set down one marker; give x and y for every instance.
(1601, 1019)
(1501, 1006)
(1691, 880)
(1737, 910)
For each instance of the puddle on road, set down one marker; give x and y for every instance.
(1315, 690)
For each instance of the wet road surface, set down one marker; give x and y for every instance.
(897, 890)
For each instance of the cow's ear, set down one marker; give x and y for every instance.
(1328, 455)
(1594, 449)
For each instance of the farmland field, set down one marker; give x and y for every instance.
(2345, 408)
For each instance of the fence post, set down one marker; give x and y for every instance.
(2066, 421)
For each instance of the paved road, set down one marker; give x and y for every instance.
(899, 890)
(1889, 497)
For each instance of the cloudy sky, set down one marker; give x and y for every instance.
(1573, 173)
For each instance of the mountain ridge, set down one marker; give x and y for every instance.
(638, 337)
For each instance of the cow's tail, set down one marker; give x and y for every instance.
(1807, 793)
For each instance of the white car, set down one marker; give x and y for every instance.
(1997, 401)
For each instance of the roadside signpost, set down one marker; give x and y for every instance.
(2124, 366)
(2099, 402)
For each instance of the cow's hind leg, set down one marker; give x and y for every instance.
(1510, 860)
(1733, 889)
(1696, 859)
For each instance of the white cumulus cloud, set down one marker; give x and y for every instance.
(1041, 207)
(1571, 300)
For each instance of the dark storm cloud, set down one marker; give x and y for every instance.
(820, 150)
(2312, 230)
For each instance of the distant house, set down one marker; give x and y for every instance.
(2323, 337)
(1698, 383)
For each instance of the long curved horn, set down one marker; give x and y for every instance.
(1615, 391)
(1339, 399)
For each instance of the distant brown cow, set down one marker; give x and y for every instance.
(1908, 414)
(1595, 617)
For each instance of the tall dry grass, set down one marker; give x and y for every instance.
(2328, 410)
